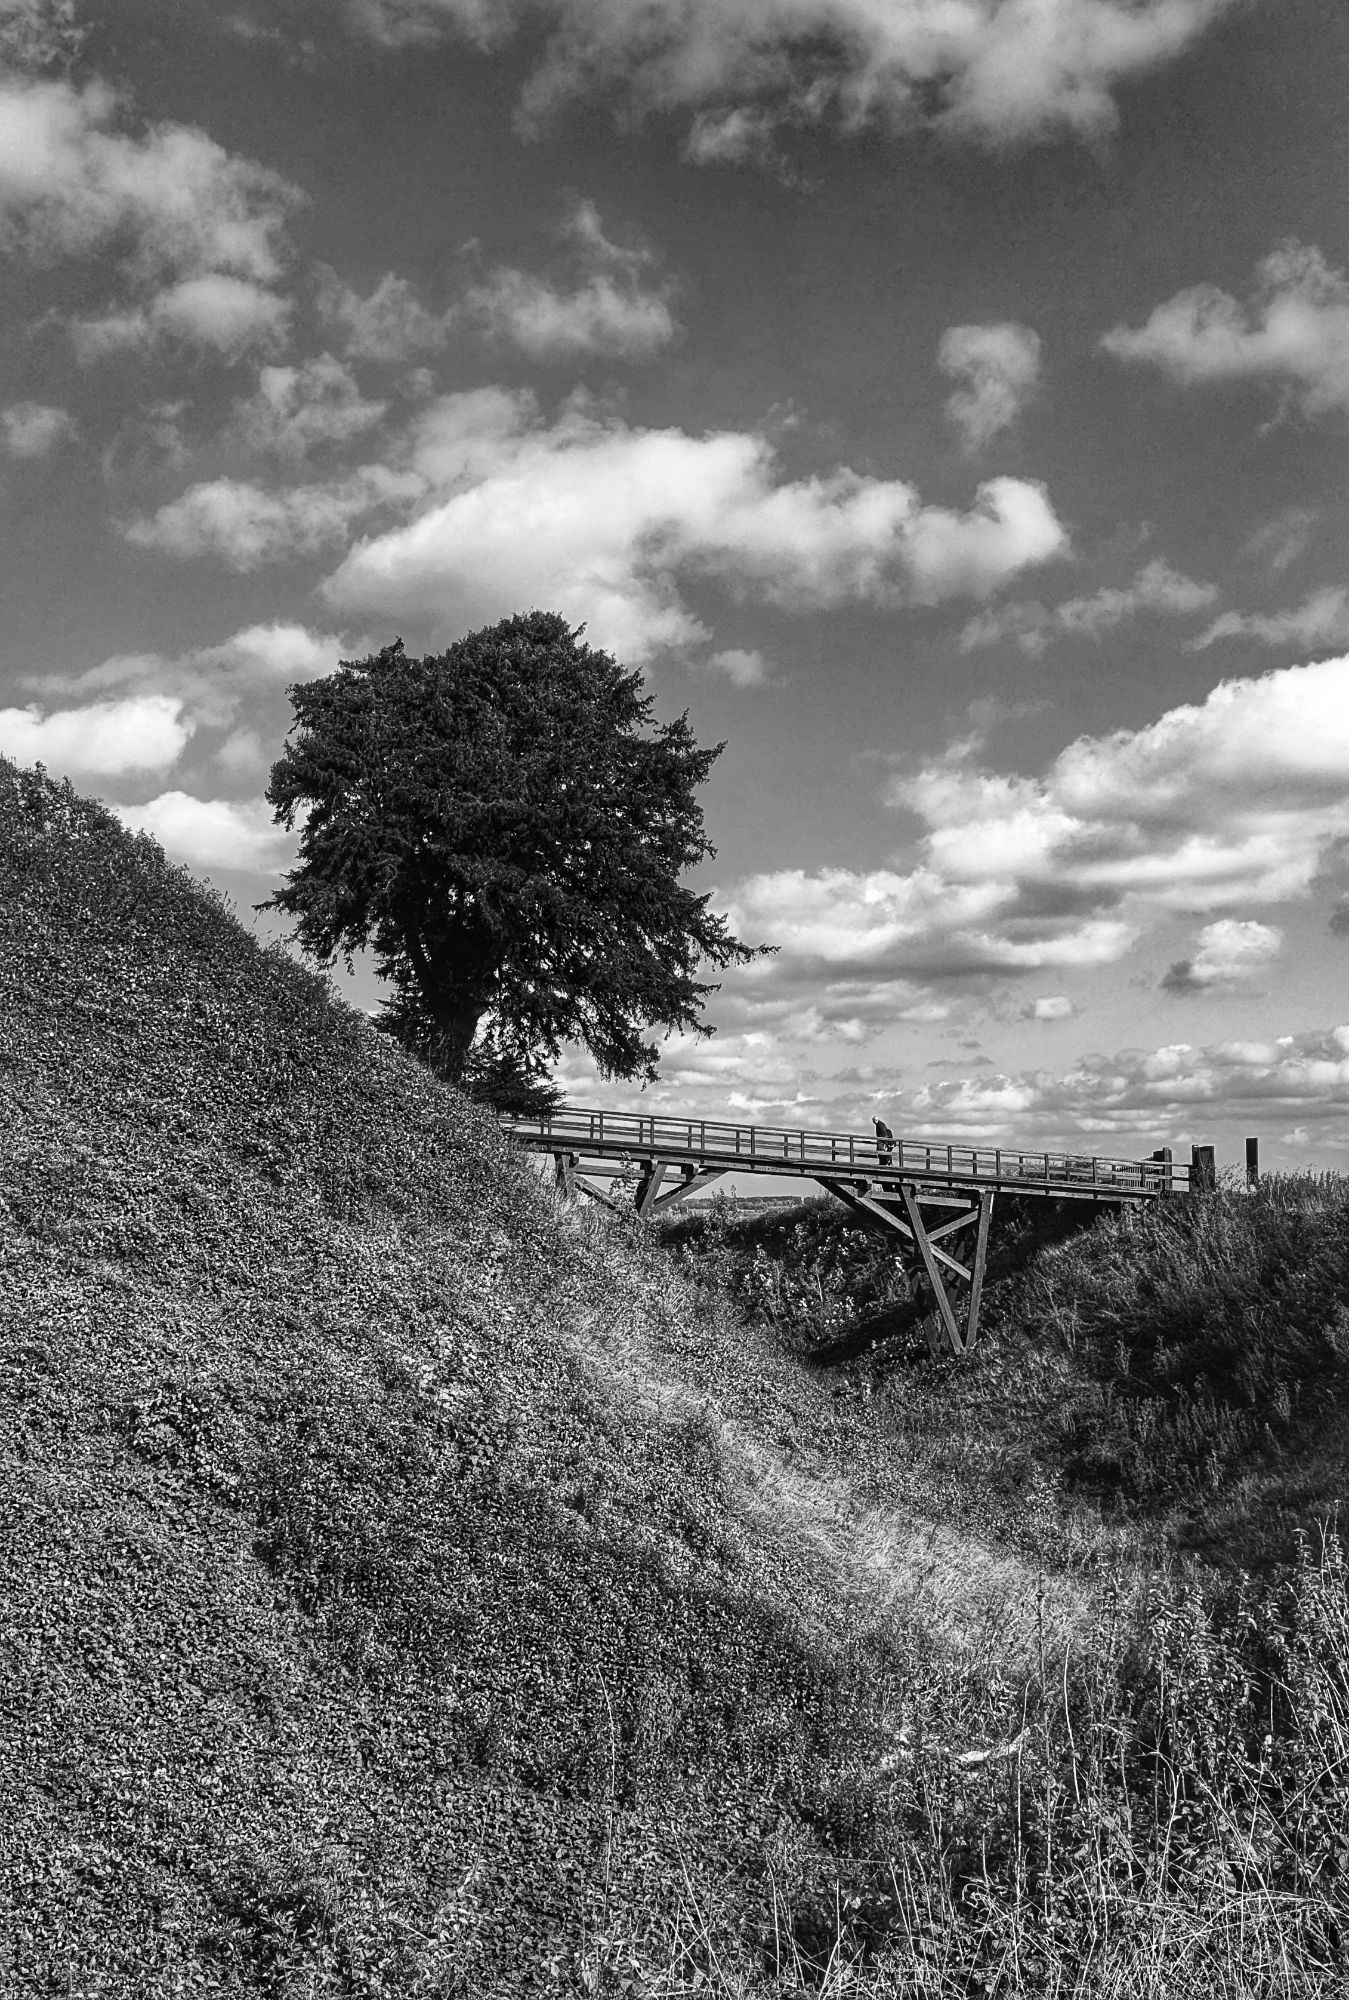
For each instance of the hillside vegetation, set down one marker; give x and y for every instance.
(410, 1586)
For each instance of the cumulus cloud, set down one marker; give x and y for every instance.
(38, 34)
(1230, 953)
(199, 231)
(1138, 1091)
(212, 833)
(1048, 1007)
(1157, 589)
(1322, 619)
(233, 316)
(996, 70)
(1125, 1103)
(1279, 541)
(1236, 801)
(212, 682)
(293, 411)
(32, 430)
(107, 739)
(599, 519)
(74, 179)
(246, 526)
(1293, 332)
(619, 308)
(841, 925)
(743, 666)
(1000, 368)
(389, 324)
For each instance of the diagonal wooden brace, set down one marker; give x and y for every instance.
(863, 1203)
(583, 1186)
(701, 1178)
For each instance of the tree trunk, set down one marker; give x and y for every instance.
(455, 1027)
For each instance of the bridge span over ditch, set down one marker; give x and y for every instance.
(924, 1192)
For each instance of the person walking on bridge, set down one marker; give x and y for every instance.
(885, 1142)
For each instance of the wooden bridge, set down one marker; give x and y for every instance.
(924, 1192)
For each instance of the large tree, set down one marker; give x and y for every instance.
(506, 830)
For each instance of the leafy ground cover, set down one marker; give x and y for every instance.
(411, 1586)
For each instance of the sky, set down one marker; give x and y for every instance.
(944, 402)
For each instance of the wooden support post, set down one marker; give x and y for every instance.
(1253, 1163)
(648, 1187)
(1203, 1170)
(977, 1269)
(1163, 1159)
(929, 1257)
(565, 1170)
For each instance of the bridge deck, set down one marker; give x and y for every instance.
(704, 1146)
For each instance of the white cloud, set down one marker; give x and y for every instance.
(997, 70)
(35, 34)
(1229, 954)
(1124, 1103)
(1000, 367)
(1279, 541)
(598, 520)
(1322, 619)
(618, 308)
(246, 526)
(295, 410)
(599, 317)
(1235, 801)
(1157, 589)
(234, 316)
(211, 682)
(212, 833)
(744, 666)
(108, 739)
(32, 430)
(71, 180)
(1292, 332)
(841, 925)
(1049, 1007)
(390, 324)
(1149, 1091)
(200, 232)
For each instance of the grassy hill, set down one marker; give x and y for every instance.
(410, 1586)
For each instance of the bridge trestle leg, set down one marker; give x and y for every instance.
(931, 1268)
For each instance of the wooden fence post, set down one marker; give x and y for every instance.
(1203, 1170)
(1253, 1163)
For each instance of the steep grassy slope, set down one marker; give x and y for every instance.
(410, 1586)
(401, 1583)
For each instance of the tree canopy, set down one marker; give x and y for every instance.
(501, 825)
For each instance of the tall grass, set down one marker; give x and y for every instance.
(1160, 1806)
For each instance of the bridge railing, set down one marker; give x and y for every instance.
(759, 1147)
